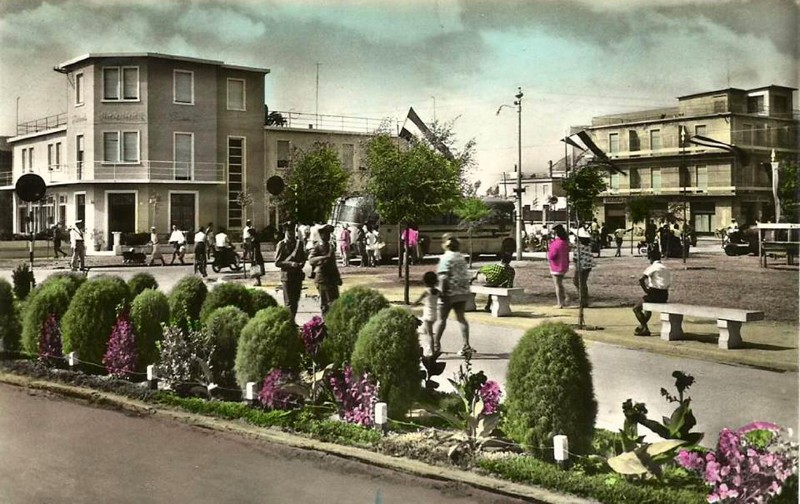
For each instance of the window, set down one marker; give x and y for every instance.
(655, 179)
(636, 179)
(79, 156)
(633, 141)
(24, 159)
(614, 181)
(747, 134)
(701, 177)
(121, 83)
(79, 89)
(236, 153)
(780, 104)
(126, 151)
(183, 87)
(348, 155)
(80, 207)
(283, 153)
(755, 104)
(182, 210)
(54, 156)
(62, 208)
(236, 94)
(761, 135)
(700, 130)
(655, 139)
(613, 143)
(184, 155)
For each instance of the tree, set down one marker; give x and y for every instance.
(787, 190)
(582, 186)
(410, 185)
(315, 180)
(472, 212)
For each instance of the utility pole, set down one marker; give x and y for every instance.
(684, 174)
(519, 190)
(316, 114)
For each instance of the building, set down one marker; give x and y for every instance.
(543, 198)
(731, 180)
(151, 139)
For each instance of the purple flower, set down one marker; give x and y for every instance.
(120, 357)
(690, 460)
(313, 333)
(356, 397)
(50, 340)
(490, 395)
(274, 396)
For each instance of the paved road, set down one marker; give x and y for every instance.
(723, 395)
(60, 451)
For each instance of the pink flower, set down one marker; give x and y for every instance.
(490, 395)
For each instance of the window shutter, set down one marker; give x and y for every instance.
(130, 86)
(111, 147)
(183, 87)
(130, 147)
(236, 94)
(111, 83)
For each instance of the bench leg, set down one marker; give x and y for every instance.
(470, 306)
(500, 306)
(671, 326)
(730, 334)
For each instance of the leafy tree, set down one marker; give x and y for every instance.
(316, 179)
(472, 212)
(787, 190)
(411, 185)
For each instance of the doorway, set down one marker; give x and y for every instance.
(182, 210)
(121, 215)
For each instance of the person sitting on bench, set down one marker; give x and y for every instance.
(655, 282)
(496, 275)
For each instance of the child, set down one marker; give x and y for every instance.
(431, 298)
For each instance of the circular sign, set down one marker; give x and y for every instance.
(275, 185)
(30, 187)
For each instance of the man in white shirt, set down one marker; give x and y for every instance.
(655, 282)
(178, 241)
(200, 259)
(77, 243)
(246, 239)
(221, 239)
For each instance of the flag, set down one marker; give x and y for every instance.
(716, 144)
(582, 141)
(414, 129)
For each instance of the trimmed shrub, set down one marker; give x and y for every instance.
(140, 282)
(227, 294)
(149, 310)
(549, 390)
(10, 327)
(347, 316)
(388, 349)
(51, 297)
(71, 279)
(186, 298)
(269, 341)
(23, 281)
(183, 352)
(222, 330)
(260, 299)
(120, 358)
(86, 326)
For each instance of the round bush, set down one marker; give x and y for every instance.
(140, 282)
(71, 279)
(269, 341)
(549, 390)
(222, 330)
(388, 349)
(227, 294)
(87, 324)
(148, 311)
(10, 327)
(260, 299)
(186, 298)
(54, 297)
(344, 320)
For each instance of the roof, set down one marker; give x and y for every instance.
(736, 90)
(65, 66)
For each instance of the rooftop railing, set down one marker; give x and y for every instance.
(43, 124)
(144, 171)
(348, 124)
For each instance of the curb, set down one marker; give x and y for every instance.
(416, 468)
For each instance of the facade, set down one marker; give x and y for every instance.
(543, 197)
(153, 140)
(716, 184)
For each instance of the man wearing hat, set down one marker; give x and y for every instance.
(326, 273)
(77, 244)
(584, 263)
(157, 255)
(290, 256)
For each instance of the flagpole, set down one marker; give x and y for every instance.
(518, 103)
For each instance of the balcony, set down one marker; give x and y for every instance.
(345, 124)
(144, 171)
(46, 123)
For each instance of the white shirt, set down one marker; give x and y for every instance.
(200, 237)
(75, 235)
(658, 276)
(177, 236)
(221, 240)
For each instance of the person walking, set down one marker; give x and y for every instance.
(290, 256)
(200, 259)
(77, 243)
(410, 238)
(558, 258)
(619, 235)
(655, 282)
(246, 238)
(344, 246)
(326, 274)
(57, 240)
(430, 297)
(178, 241)
(157, 254)
(210, 242)
(361, 245)
(584, 263)
(257, 256)
(454, 282)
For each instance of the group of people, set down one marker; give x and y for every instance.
(367, 243)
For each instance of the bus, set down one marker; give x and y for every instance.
(494, 236)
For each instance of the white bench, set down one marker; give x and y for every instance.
(729, 321)
(500, 297)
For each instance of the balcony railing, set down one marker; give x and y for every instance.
(43, 124)
(144, 171)
(327, 122)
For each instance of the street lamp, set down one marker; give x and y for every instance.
(685, 176)
(519, 190)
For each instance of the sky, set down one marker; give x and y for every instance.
(453, 61)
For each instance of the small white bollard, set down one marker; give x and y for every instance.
(72, 359)
(152, 377)
(250, 392)
(560, 449)
(381, 416)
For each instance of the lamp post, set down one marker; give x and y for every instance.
(775, 165)
(685, 176)
(519, 190)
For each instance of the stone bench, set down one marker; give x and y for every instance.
(500, 297)
(729, 321)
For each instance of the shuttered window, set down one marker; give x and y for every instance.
(236, 94)
(184, 87)
(111, 147)
(184, 155)
(111, 83)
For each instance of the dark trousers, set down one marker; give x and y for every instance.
(582, 278)
(328, 293)
(57, 248)
(200, 261)
(292, 286)
(652, 296)
(619, 247)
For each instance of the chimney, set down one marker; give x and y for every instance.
(550, 168)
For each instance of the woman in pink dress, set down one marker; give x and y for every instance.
(558, 257)
(344, 245)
